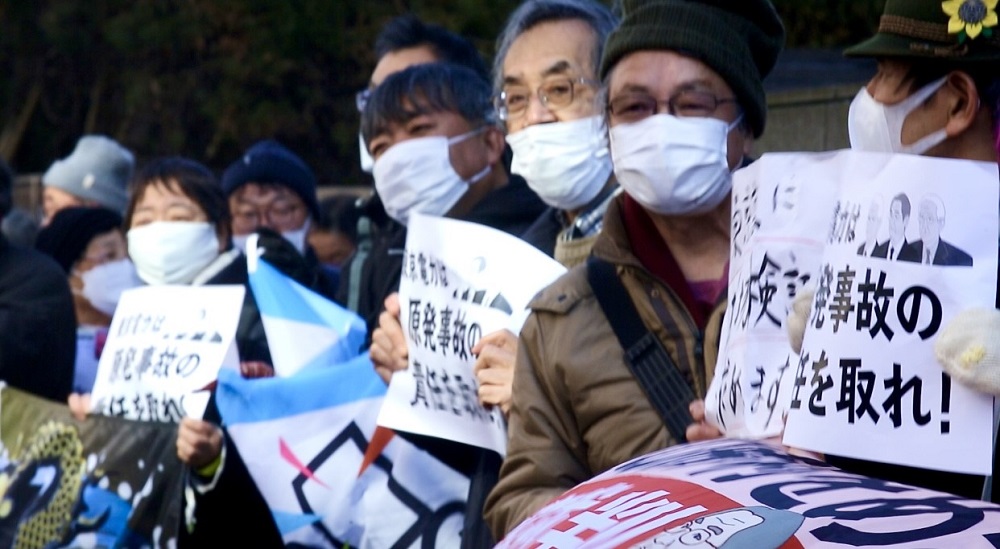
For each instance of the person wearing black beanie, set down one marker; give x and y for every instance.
(89, 244)
(617, 354)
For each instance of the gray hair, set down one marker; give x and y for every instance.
(532, 12)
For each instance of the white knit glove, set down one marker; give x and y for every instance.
(968, 348)
(797, 319)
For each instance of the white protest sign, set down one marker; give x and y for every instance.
(165, 345)
(460, 282)
(781, 211)
(867, 384)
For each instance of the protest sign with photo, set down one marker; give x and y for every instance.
(912, 243)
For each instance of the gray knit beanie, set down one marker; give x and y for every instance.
(98, 169)
(738, 39)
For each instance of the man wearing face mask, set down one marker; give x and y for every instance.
(936, 93)
(439, 152)
(443, 155)
(684, 103)
(546, 76)
(272, 191)
(403, 42)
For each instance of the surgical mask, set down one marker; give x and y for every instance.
(565, 163)
(172, 252)
(367, 162)
(240, 242)
(673, 165)
(876, 127)
(296, 238)
(416, 175)
(103, 285)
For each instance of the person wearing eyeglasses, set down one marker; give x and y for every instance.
(684, 102)
(403, 42)
(439, 152)
(545, 74)
(272, 191)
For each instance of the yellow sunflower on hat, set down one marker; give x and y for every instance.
(970, 18)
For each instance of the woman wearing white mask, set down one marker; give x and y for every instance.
(179, 233)
(90, 246)
(684, 101)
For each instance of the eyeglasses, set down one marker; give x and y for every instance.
(362, 97)
(636, 106)
(554, 94)
(280, 214)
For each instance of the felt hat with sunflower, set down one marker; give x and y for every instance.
(959, 32)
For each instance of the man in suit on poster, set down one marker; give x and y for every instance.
(930, 249)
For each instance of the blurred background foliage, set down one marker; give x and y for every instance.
(207, 78)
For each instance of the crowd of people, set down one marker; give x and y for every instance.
(606, 140)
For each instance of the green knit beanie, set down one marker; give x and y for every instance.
(738, 39)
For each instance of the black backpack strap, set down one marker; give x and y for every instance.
(361, 252)
(650, 363)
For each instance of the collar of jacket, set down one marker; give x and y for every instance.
(625, 217)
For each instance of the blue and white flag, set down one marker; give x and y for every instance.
(304, 437)
(304, 329)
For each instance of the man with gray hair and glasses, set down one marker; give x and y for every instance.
(685, 102)
(545, 73)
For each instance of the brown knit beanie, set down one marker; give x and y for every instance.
(738, 39)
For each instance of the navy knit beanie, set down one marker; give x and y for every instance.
(271, 162)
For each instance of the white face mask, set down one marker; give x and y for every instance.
(297, 238)
(367, 162)
(172, 252)
(876, 127)
(565, 163)
(416, 175)
(673, 165)
(103, 285)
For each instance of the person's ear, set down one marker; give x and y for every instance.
(495, 144)
(962, 101)
(747, 143)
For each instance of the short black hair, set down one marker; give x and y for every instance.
(426, 88)
(191, 178)
(6, 188)
(904, 204)
(339, 213)
(408, 31)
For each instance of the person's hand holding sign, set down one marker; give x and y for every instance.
(494, 368)
(700, 429)
(388, 350)
(199, 444)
